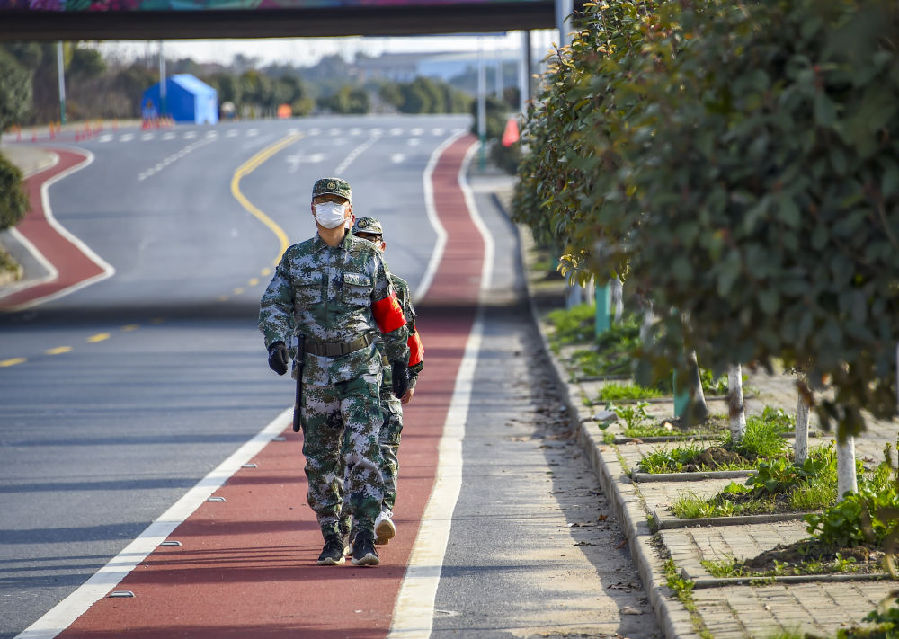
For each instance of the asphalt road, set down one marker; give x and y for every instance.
(134, 388)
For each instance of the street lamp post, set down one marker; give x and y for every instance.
(61, 76)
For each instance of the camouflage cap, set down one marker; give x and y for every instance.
(332, 185)
(368, 226)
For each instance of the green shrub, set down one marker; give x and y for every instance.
(13, 202)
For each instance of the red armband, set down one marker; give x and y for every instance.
(416, 348)
(388, 314)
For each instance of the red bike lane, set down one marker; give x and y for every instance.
(75, 264)
(246, 565)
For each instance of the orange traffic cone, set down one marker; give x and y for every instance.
(511, 134)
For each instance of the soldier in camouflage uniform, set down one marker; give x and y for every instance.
(335, 291)
(369, 228)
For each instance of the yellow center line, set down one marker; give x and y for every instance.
(127, 328)
(248, 167)
(58, 350)
(99, 337)
(238, 291)
(6, 363)
(266, 271)
(254, 281)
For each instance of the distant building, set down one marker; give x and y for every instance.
(187, 99)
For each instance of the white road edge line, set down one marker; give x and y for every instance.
(108, 270)
(431, 210)
(413, 615)
(76, 604)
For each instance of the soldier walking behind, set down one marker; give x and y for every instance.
(369, 228)
(335, 292)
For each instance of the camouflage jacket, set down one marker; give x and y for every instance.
(404, 295)
(328, 293)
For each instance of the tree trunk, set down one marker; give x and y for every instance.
(617, 294)
(800, 447)
(696, 411)
(847, 481)
(735, 410)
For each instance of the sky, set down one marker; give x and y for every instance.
(307, 51)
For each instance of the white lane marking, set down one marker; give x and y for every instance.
(190, 135)
(413, 614)
(168, 135)
(396, 132)
(252, 133)
(172, 158)
(212, 134)
(397, 158)
(232, 133)
(334, 132)
(431, 211)
(147, 136)
(413, 142)
(105, 267)
(127, 137)
(437, 132)
(314, 131)
(418, 132)
(297, 159)
(377, 131)
(355, 153)
(356, 131)
(106, 137)
(69, 609)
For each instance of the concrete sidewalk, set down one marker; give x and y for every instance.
(719, 608)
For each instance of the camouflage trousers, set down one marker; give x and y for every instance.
(341, 424)
(389, 443)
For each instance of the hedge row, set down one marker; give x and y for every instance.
(737, 162)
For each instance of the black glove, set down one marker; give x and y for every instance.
(400, 374)
(277, 357)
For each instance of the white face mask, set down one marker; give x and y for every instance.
(330, 214)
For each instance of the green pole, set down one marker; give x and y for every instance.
(681, 399)
(603, 306)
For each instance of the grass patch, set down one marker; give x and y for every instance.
(573, 326)
(627, 392)
(807, 557)
(779, 486)
(762, 439)
(683, 590)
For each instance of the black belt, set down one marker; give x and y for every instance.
(335, 349)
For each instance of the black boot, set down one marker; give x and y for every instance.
(332, 553)
(364, 553)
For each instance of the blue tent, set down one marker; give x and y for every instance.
(187, 99)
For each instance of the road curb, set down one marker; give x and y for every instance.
(673, 617)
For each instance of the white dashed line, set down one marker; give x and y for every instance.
(107, 137)
(127, 137)
(397, 158)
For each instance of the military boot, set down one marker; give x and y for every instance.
(364, 553)
(332, 553)
(385, 529)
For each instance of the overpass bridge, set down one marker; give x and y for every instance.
(188, 19)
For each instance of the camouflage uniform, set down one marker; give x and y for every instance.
(392, 428)
(335, 295)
